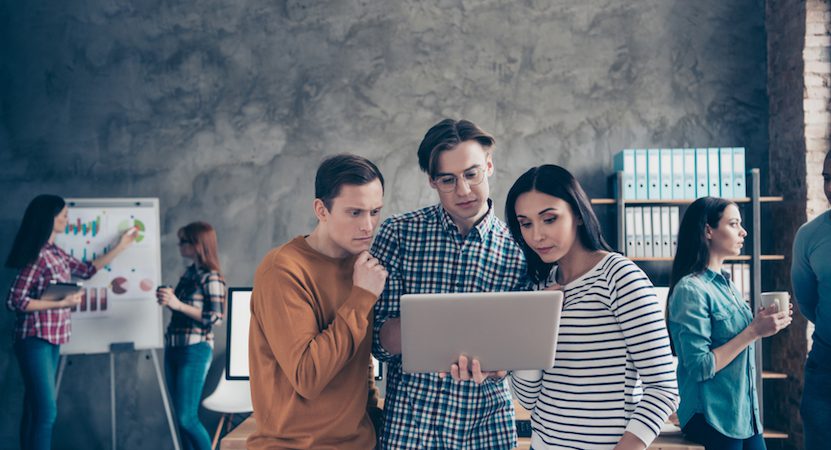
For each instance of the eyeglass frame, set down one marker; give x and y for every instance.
(480, 172)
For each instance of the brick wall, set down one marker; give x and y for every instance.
(799, 76)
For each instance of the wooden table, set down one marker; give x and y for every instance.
(235, 440)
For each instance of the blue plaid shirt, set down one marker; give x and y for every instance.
(424, 252)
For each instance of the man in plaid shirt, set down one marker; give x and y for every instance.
(458, 245)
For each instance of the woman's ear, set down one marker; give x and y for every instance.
(708, 231)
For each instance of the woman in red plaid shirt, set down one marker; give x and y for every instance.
(42, 326)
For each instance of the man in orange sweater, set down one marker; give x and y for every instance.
(311, 319)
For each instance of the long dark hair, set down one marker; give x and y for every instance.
(202, 237)
(556, 182)
(693, 253)
(35, 230)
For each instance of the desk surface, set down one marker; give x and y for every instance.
(235, 440)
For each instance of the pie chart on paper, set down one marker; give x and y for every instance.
(119, 285)
(146, 285)
(124, 225)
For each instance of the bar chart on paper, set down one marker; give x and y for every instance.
(118, 303)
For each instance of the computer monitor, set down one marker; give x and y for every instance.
(238, 321)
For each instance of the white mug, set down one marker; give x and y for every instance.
(781, 299)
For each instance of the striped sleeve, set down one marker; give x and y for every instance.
(635, 306)
(526, 386)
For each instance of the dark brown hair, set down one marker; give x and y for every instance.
(341, 169)
(560, 183)
(203, 238)
(446, 135)
(35, 230)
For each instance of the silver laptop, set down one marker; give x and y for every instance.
(503, 330)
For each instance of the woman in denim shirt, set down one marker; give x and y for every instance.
(713, 331)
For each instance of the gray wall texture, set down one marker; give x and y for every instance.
(224, 109)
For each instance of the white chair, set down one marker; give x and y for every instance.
(230, 397)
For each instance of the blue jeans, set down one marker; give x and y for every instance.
(698, 430)
(185, 370)
(816, 397)
(39, 365)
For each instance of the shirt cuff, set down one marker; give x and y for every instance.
(641, 431)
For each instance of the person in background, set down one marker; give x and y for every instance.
(811, 277)
(713, 331)
(612, 385)
(41, 326)
(196, 305)
(311, 320)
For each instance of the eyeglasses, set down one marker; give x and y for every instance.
(447, 183)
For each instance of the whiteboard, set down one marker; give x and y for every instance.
(119, 302)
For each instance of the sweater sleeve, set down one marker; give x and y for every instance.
(311, 357)
(635, 306)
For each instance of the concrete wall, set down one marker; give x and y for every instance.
(224, 109)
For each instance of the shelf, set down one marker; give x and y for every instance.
(612, 201)
(773, 434)
(733, 258)
(768, 375)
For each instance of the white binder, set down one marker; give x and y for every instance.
(638, 216)
(713, 173)
(689, 174)
(653, 175)
(648, 238)
(667, 184)
(726, 171)
(641, 189)
(673, 228)
(630, 231)
(701, 189)
(657, 232)
(678, 173)
(666, 233)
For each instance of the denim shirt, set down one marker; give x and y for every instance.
(706, 311)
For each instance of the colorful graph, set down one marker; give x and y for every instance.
(124, 225)
(88, 255)
(84, 228)
(93, 303)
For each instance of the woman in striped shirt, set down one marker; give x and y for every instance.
(42, 326)
(613, 384)
(714, 331)
(197, 305)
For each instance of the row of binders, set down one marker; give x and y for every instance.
(740, 276)
(682, 173)
(651, 231)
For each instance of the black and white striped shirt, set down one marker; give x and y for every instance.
(613, 370)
